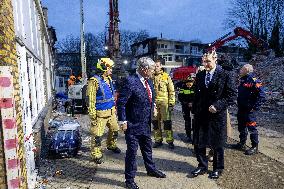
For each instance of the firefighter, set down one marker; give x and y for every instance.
(186, 96)
(79, 79)
(71, 80)
(102, 109)
(165, 101)
(250, 96)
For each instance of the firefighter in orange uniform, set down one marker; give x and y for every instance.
(250, 96)
(71, 80)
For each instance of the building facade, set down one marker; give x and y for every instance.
(28, 42)
(176, 53)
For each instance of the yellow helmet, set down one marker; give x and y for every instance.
(104, 64)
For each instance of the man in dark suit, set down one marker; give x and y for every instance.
(134, 109)
(214, 91)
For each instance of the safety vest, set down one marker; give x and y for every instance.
(105, 95)
(186, 91)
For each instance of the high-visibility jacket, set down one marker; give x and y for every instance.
(101, 94)
(164, 88)
(71, 82)
(186, 94)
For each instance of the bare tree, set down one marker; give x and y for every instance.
(68, 49)
(127, 38)
(258, 16)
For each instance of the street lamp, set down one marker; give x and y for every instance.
(125, 62)
(106, 47)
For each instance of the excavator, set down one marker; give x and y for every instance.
(182, 73)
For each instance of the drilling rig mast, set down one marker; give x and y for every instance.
(113, 42)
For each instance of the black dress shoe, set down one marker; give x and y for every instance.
(157, 174)
(251, 151)
(238, 146)
(215, 174)
(131, 185)
(114, 150)
(188, 140)
(198, 171)
(157, 144)
(171, 145)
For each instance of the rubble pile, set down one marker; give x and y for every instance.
(271, 72)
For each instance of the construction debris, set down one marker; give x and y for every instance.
(271, 72)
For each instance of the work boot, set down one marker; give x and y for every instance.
(171, 145)
(98, 160)
(238, 146)
(157, 144)
(115, 150)
(252, 151)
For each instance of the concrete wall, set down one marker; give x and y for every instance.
(35, 59)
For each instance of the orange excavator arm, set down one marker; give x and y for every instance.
(238, 32)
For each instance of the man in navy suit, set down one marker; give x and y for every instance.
(134, 109)
(214, 92)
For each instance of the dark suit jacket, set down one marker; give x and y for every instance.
(133, 106)
(210, 129)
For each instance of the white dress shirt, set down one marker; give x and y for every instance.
(142, 79)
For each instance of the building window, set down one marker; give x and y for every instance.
(194, 50)
(167, 57)
(61, 81)
(162, 46)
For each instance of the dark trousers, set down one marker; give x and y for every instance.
(186, 115)
(218, 158)
(132, 142)
(247, 123)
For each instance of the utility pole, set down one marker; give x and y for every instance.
(83, 45)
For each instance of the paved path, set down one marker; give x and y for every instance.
(259, 171)
(81, 172)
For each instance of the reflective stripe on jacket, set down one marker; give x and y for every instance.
(186, 91)
(164, 88)
(105, 94)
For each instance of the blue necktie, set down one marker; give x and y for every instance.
(207, 79)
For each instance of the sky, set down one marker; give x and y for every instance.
(175, 19)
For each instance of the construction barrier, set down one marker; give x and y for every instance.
(7, 107)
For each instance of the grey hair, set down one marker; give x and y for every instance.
(145, 62)
(248, 67)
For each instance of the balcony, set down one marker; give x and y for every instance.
(166, 50)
